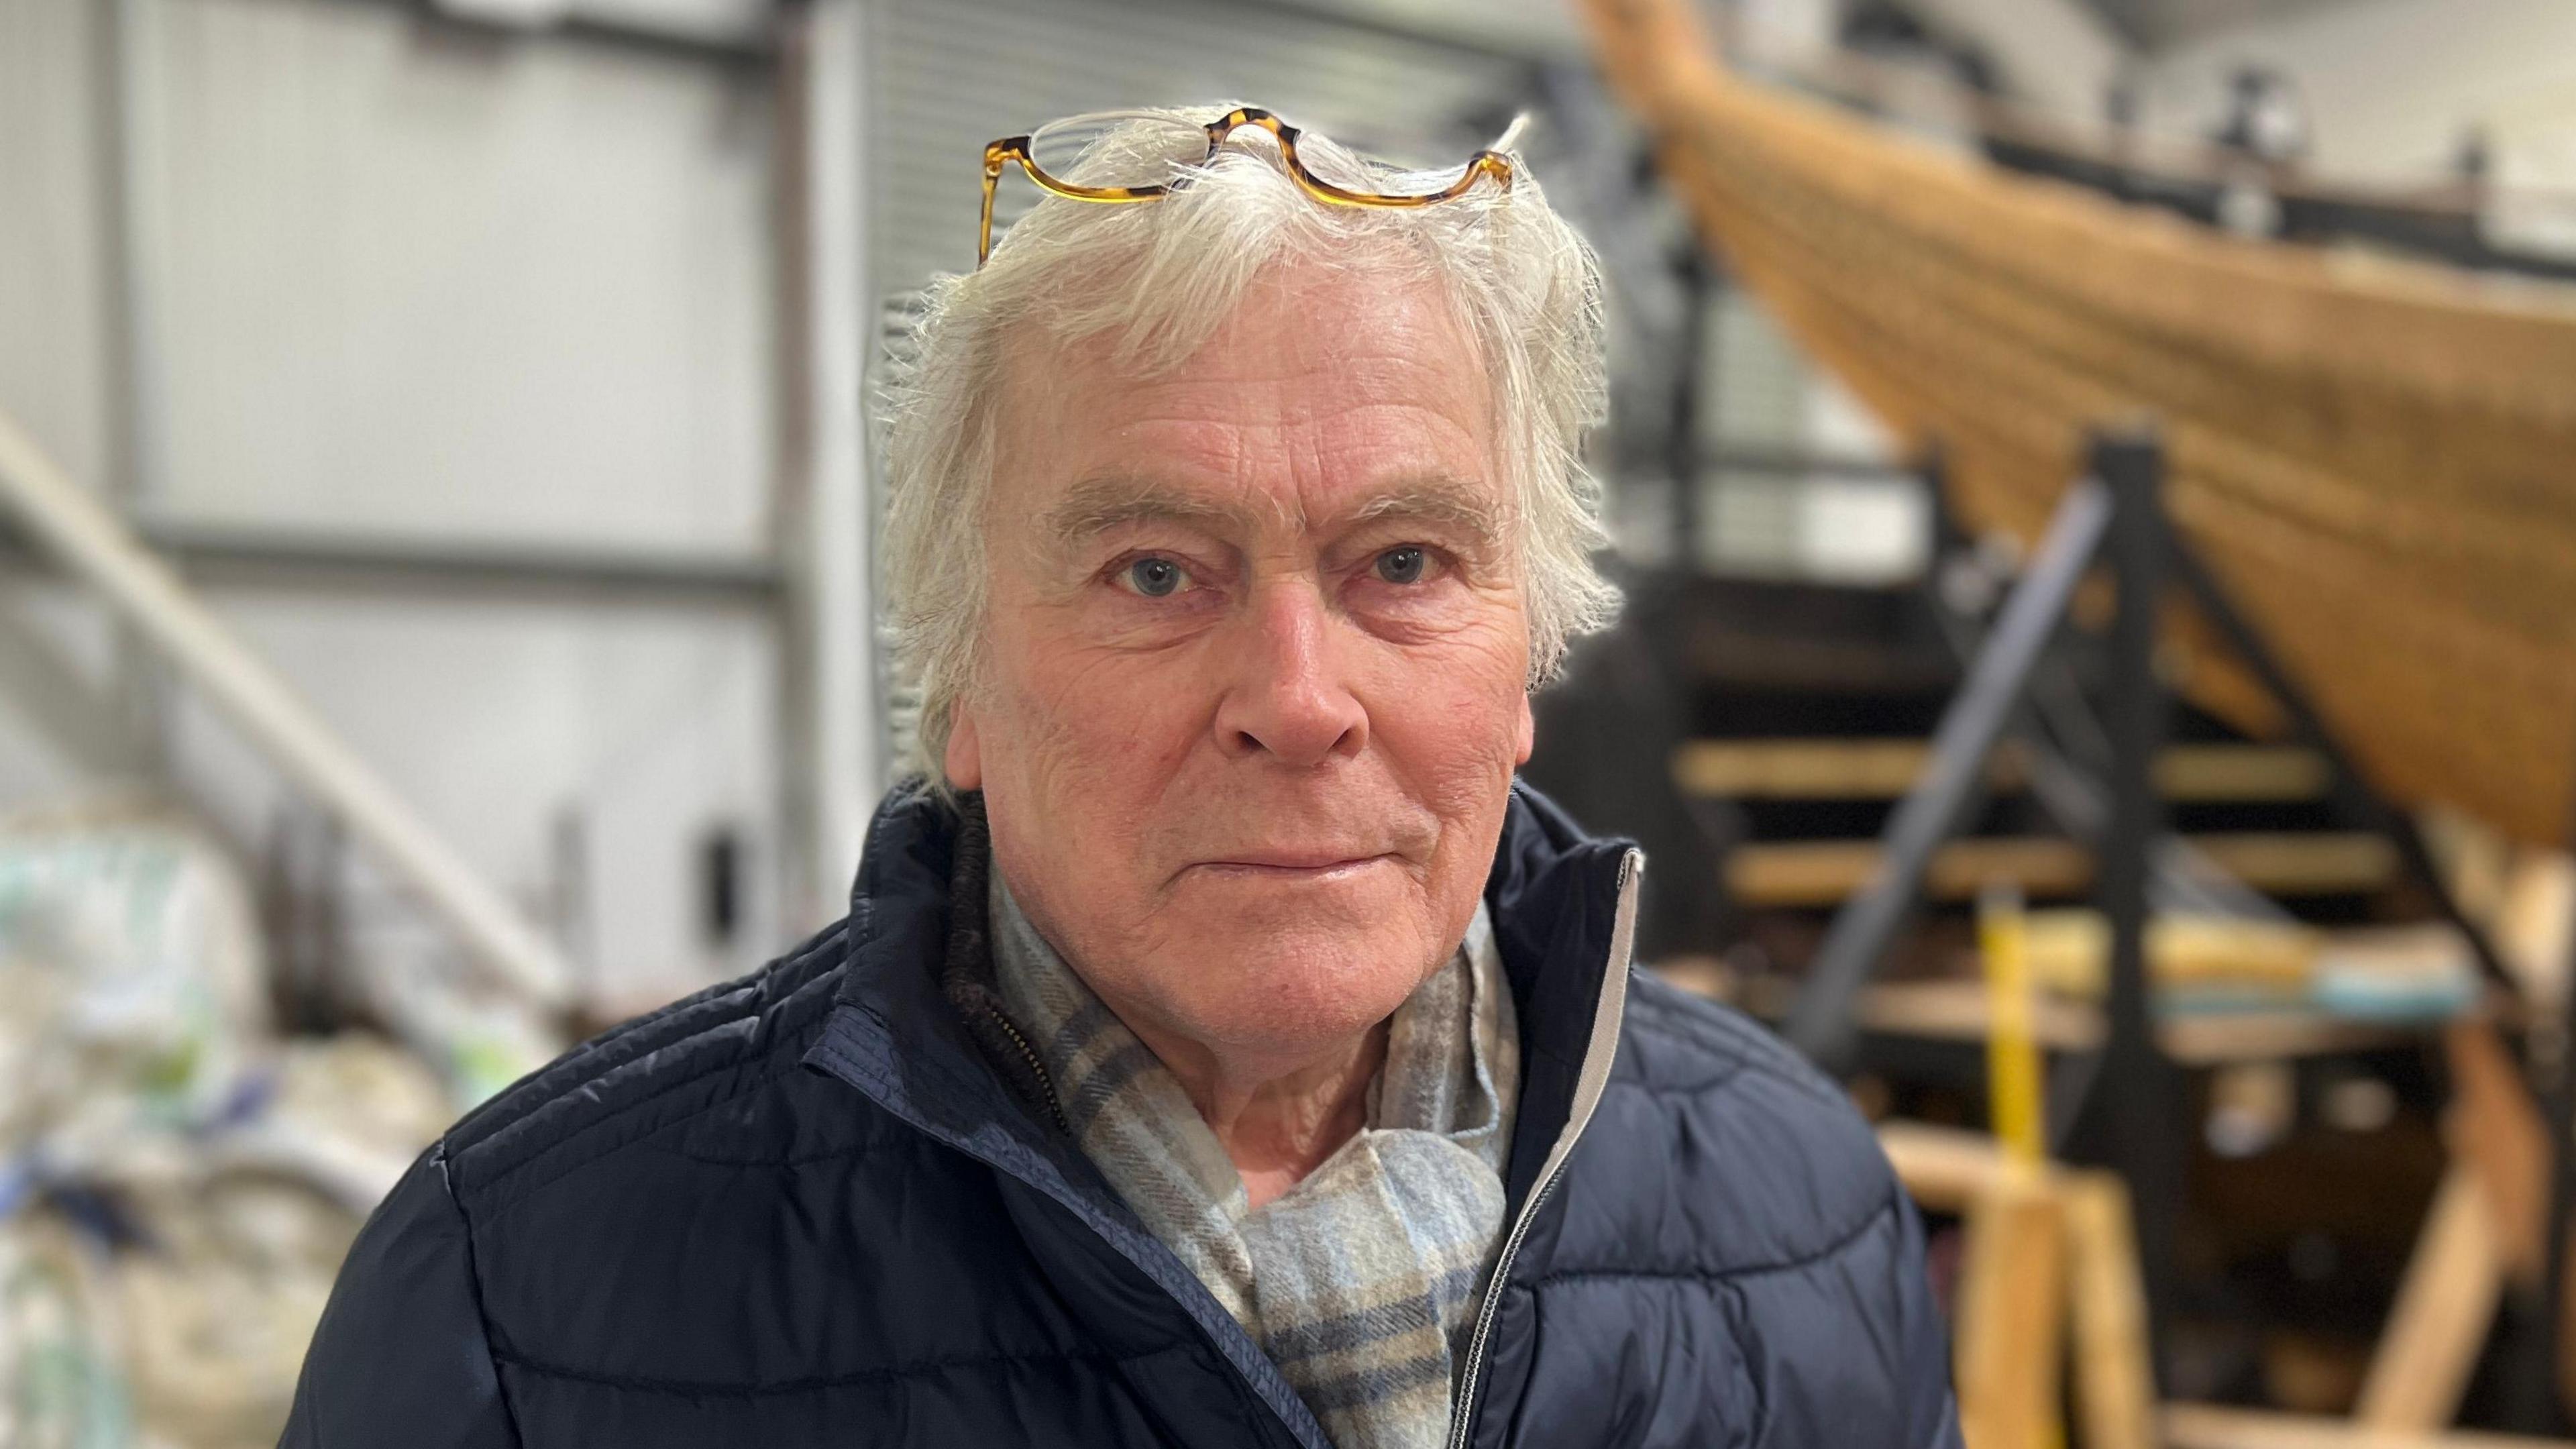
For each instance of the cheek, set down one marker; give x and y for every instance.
(1455, 724)
(1090, 726)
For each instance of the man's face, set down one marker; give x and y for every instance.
(1255, 666)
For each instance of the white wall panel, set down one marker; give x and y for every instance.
(417, 281)
(2392, 86)
(495, 718)
(404, 279)
(717, 19)
(63, 737)
(53, 280)
(2059, 54)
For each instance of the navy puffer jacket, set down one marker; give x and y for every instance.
(804, 1209)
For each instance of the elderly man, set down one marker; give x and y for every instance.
(1221, 1049)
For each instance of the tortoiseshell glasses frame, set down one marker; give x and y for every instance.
(1000, 154)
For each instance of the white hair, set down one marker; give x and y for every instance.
(1157, 279)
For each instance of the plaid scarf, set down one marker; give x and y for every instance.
(1361, 1282)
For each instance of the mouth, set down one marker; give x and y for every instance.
(1288, 866)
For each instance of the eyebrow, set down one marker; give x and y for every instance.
(1098, 505)
(1438, 500)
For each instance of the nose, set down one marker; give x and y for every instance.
(1287, 699)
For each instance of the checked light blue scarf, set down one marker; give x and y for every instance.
(1362, 1281)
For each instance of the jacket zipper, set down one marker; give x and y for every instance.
(1463, 1407)
(1477, 1346)
(1046, 1083)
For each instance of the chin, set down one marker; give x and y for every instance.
(1275, 979)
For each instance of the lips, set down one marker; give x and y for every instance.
(1293, 862)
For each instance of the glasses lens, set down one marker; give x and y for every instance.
(1117, 148)
(1375, 170)
(1393, 182)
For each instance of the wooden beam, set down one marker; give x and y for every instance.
(1828, 872)
(1958, 1011)
(2287, 863)
(2029, 1233)
(1950, 1169)
(1816, 873)
(2493, 1125)
(1801, 769)
(2011, 1314)
(1944, 1168)
(2445, 1307)
(1884, 769)
(2115, 1381)
(2227, 774)
(2213, 1426)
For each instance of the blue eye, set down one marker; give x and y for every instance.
(1155, 578)
(1402, 565)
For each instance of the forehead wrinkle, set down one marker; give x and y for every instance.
(1098, 504)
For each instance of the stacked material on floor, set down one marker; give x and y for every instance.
(2372, 454)
(2206, 963)
(177, 1185)
(2192, 958)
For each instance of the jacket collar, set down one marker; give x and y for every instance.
(1556, 900)
(1553, 894)
(893, 1036)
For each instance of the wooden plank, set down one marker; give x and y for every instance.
(2214, 1426)
(1961, 1011)
(2296, 863)
(2011, 1312)
(1883, 769)
(1800, 769)
(2115, 1382)
(2444, 1308)
(2494, 1127)
(2216, 774)
(1944, 1168)
(2031, 1233)
(1814, 873)
(1950, 1169)
(1827, 872)
(1958, 1011)
(2217, 1038)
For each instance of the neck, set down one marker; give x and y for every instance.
(1278, 1121)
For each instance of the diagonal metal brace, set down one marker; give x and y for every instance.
(2353, 796)
(1821, 1022)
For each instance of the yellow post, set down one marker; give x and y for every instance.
(2012, 1049)
(2012, 1305)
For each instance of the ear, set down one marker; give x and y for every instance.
(964, 758)
(1525, 733)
